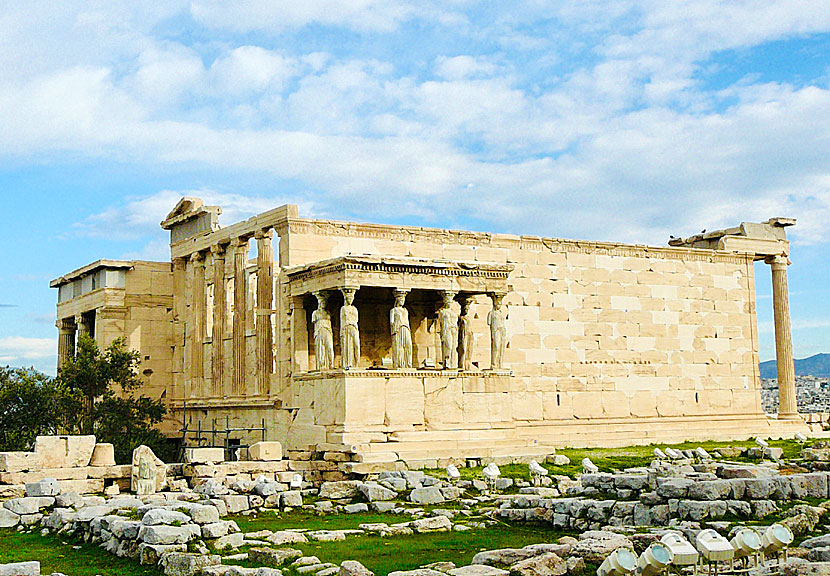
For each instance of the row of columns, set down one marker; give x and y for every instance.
(70, 331)
(455, 330)
(263, 314)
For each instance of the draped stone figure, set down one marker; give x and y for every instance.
(465, 336)
(349, 332)
(448, 321)
(323, 338)
(401, 333)
(498, 331)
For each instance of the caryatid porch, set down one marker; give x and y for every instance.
(403, 314)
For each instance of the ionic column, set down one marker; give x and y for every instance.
(83, 327)
(265, 304)
(220, 292)
(66, 341)
(197, 336)
(240, 306)
(787, 405)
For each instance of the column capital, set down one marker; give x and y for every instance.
(779, 261)
(240, 241)
(179, 263)
(198, 258)
(264, 233)
(218, 250)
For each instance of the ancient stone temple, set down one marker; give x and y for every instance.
(415, 344)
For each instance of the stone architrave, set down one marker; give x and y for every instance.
(498, 332)
(401, 332)
(465, 336)
(448, 321)
(323, 337)
(349, 330)
(149, 474)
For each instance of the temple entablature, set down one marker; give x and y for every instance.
(763, 239)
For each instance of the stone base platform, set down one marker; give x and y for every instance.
(437, 448)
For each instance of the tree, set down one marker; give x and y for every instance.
(31, 404)
(124, 420)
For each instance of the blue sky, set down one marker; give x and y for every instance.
(607, 120)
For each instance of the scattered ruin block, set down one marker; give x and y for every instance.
(103, 455)
(19, 461)
(64, 451)
(204, 455)
(265, 451)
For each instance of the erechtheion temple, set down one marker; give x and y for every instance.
(406, 343)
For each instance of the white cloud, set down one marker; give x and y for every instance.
(21, 350)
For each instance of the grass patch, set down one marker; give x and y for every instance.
(55, 556)
(384, 555)
(312, 521)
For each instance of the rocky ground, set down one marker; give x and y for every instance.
(192, 531)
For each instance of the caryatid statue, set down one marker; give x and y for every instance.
(448, 322)
(349, 332)
(401, 333)
(498, 331)
(465, 335)
(323, 338)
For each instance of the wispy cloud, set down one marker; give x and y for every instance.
(21, 350)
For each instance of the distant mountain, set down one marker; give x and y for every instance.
(818, 365)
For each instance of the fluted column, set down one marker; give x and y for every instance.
(220, 295)
(265, 304)
(66, 341)
(197, 336)
(83, 326)
(240, 306)
(787, 404)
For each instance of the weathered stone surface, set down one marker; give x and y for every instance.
(283, 537)
(635, 482)
(234, 540)
(45, 487)
(162, 534)
(417, 572)
(478, 570)
(819, 554)
(187, 564)
(504, 557)
(758, 488)
(431, 495)
(809, 485)
(822, 541)
(8, 519)
(203, 514)
(152, 553)
(356, 508)
(235, 503)
(20, 569)
(158, 516)
(674, 487)
(595, 545)
(64, 451)
(265, 451)
(340, 490)
(103, 455)
(291, 499)
(372, 492)
(354, 568)
(149, 473)
(710, 490)
(273, 557)
(19, 461)
(432, 524)
(204, 455)
(548, 564)
(29, 504)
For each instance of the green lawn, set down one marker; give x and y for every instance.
(384, 555)
(311, 521)
(57, 555)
